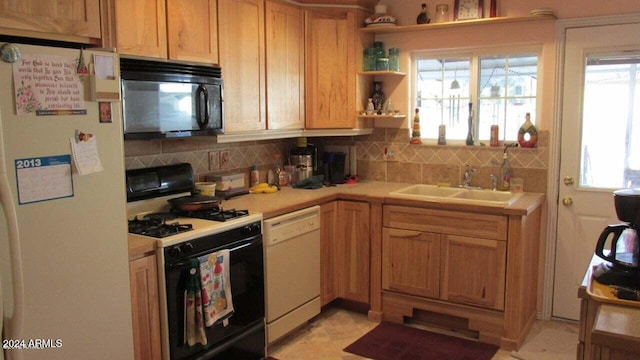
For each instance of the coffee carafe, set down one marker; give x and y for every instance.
(619, 244)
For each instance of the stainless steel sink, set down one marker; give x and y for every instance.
(457, 195)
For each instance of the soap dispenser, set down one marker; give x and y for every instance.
(506, 172)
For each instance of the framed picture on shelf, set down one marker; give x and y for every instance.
(467, 9)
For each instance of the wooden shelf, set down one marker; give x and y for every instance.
(394, 73)
(399, 116)
(459, 23)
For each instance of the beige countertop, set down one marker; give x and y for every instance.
(290, 199)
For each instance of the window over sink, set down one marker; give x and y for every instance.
(502, 85)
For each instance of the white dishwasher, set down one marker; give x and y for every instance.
(292, 270)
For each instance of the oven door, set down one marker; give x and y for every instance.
(243, 336)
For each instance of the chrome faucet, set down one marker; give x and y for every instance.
(494, 182)
(468, 175)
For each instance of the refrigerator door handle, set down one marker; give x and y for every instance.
(13, 324)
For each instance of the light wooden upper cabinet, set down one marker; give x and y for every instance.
(285, 66)
(192, 30)
(330, 58)
(50, 18)
(169, 29)
(242, 58)
(141, 27)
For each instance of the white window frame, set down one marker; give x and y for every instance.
(474, 55)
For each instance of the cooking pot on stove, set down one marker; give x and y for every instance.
(194, 202)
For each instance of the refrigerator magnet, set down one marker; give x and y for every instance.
(105, 112)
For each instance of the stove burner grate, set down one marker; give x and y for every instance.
(157, 226)
(216, 214)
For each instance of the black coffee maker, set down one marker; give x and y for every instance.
(623, 250)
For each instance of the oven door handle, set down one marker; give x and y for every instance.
(185, 265)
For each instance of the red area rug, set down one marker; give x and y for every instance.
(389, 341)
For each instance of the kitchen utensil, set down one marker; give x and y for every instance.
(194, 202)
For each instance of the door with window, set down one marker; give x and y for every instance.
(600, 146)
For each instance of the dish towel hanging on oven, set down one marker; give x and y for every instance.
(193, 322)
(216, 287)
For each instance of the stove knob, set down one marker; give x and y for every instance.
(246, 230)
(187, 248)
(175, 251)
(255, 228)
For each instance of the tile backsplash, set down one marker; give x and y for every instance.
(206, 157)
(428, 164)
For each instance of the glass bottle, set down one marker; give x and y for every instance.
(528, 134)
(423, 17)
(369, 59)
(394, 62)
(378, 47)
(442, 134)
(415, 134)
(442, 13)
(470, 129)
(494, 139)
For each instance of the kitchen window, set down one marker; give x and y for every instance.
(502, 87)
(610, 155)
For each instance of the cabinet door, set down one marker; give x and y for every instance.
(141, 27)
(328, 263)
(330, 75)
(353, 250)
(473, 271)
(242, 58)
(411, 262)
(285, 66)
(71, 17)
(192, 28)
(145, 310)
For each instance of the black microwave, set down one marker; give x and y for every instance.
(165, 99)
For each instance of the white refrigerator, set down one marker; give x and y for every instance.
(63, 235)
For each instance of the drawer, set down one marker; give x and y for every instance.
(446, 222)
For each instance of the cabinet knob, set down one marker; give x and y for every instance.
(567, 201)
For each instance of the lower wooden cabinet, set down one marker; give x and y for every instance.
(454, 264)
(411, 262)
(345, 251)
(456, 269)
(473, 271)
(145, 312)
(353, 250)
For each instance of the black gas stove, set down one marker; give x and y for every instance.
(157, 226)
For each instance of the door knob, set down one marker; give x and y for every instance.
(567, 201)
(568, 180)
